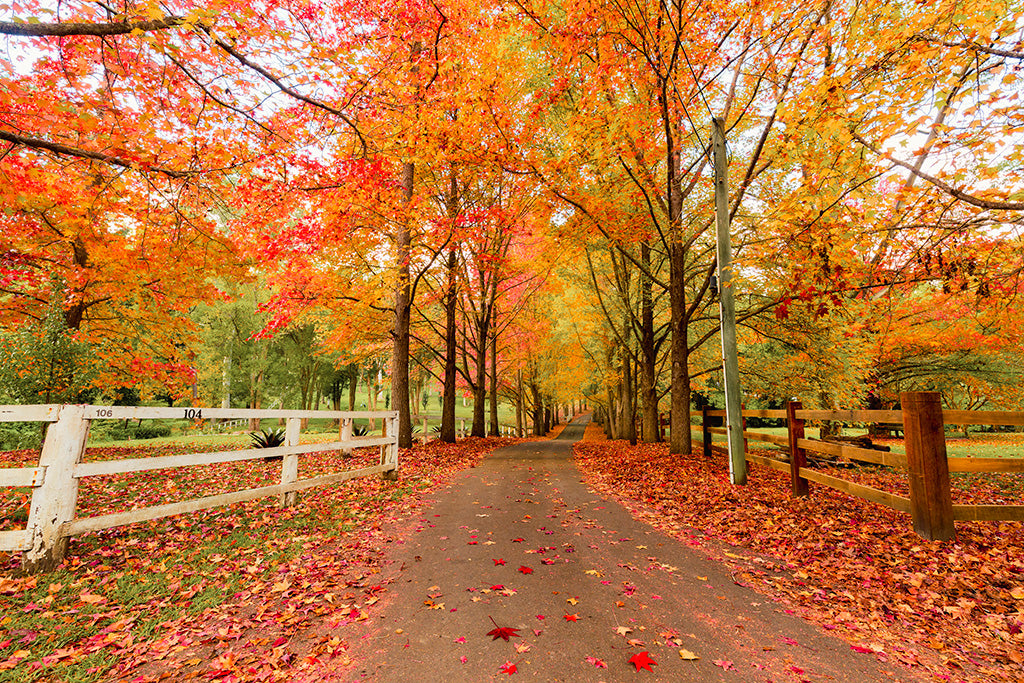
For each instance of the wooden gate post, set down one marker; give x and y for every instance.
(797, 455)
(426, 434)
(389, 452)
(705, 430)
(290, 462)
(931, 504)
(346, 435)
(53, 503)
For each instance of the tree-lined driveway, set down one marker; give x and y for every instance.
(520, 543)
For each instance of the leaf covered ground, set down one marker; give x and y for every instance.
(955, 609)
(250, 592)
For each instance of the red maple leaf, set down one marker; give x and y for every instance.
(503, 632)
(572, 617)
(642, 660)
(526, 570)
(497, 562)
(518, 540)
(508, 668)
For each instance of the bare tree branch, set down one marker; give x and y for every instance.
(66, 150)
(990, 204)
(63, 28)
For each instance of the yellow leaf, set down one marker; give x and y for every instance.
(687, 655)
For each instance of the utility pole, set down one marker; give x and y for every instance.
(727, 311)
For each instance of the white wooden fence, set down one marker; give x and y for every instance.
(461, 432)
(54, 481)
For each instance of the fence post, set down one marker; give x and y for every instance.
(290, 462)
(705, 430)
(797, 455)
(426, 435)
(931, 504)
(346, 435)
(462, 428)
(390, 452)
(53, 503)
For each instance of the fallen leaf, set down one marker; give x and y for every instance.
(597, 662)
(503, 632)
(687, 655)
(642, 660)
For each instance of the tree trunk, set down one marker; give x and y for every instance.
(680, 437)
(538, 410)
(647, 359)
(353, 383)
(372, 389)
(480, 390)
(613, 415)
(628, 410)
(519, 404)
(448, 403)
(400, 331)
(495, 431)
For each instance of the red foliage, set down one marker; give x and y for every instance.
(854, 567)
(503, 632)
(642, 660)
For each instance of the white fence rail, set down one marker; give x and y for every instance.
(54, 482)
(424, 425)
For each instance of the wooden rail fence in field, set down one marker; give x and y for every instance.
(54, 481)
(922, 419)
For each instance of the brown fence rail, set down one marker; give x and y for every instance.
(922, 420)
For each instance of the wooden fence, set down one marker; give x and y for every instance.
(54, 481)
(424, 425)
(922, 419)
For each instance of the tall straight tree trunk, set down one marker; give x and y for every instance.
(628, 409)
(519, 403)
(681, 437)
(495, 431)
(538, 410)
(403, 288)
(647, 360)
(400, 332)
(480, 389)
(450, 349)
(353, 384)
